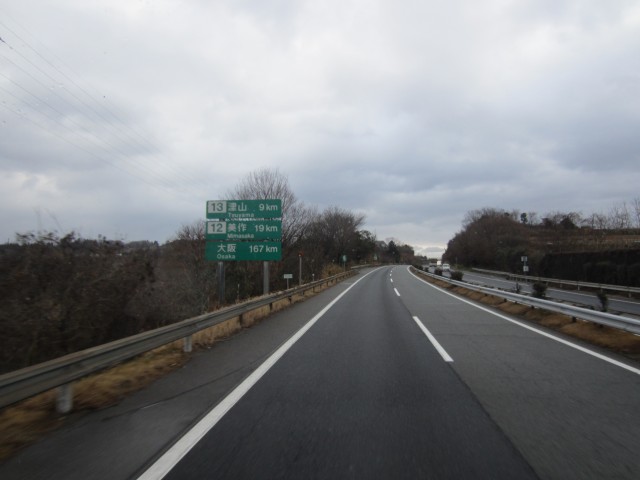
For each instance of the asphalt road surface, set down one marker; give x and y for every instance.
(362, 394)
(383, 376)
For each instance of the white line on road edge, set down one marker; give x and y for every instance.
(171, 457)
(443, 353)
(397, 292)
(541, 332)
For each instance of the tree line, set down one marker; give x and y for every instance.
(64, 293)
(601, 248)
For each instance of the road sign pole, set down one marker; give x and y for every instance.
(265, 278)
(220, 283)
(300, 269)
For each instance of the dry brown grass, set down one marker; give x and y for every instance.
(209, 336)
(331, 270)
(29, 420)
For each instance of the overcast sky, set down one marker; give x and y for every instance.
(122, 117)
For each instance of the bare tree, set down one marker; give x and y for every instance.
(272, 184)
(597, 221)
(636, 212)
(473, 216)
(564, 220)
(619, 217)
(337, 231)
(61, 294)
(533, 218)
(197, 278)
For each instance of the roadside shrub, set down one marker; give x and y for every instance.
(606, 272)
(633, 275)
(540, 290)
(456, 275)
(61, 294)
(604, 300)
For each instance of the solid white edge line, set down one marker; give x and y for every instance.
(443, 353)
(397, 292)
(541, 332)
(171, 457)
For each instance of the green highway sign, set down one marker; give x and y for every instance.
(244, 209)
(236, 227)
(244, 230)
(239, 251)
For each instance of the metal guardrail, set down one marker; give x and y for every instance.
(573, 283)
(616, 321)
(60, 372)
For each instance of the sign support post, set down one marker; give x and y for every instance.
(265, 278)
(220, 283)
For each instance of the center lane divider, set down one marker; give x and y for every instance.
(443, 353)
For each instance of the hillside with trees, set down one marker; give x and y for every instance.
(600, 248)
(63, 293)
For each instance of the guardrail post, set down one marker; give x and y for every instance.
(187, 346)
(64, 401)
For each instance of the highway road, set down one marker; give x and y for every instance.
(383, 376)
(617, 303)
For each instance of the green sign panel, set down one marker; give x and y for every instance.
(239, 251)
(244, 209)
(244, 230)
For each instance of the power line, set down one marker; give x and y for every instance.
(79, 147)
(64, 101)
(123, 135)
(106, 145)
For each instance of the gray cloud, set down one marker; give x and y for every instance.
(412, 113)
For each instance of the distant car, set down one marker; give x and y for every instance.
(445, 267)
